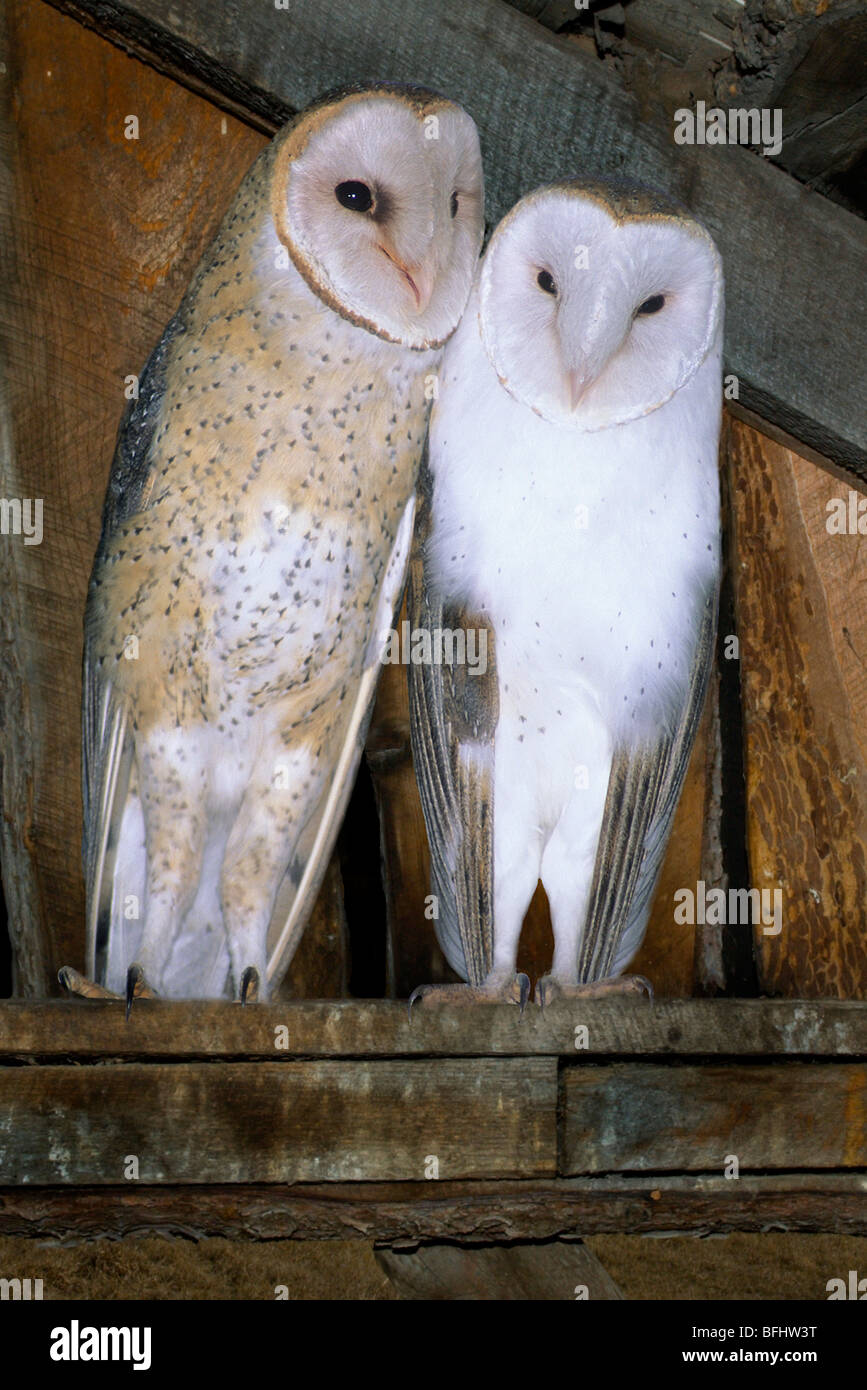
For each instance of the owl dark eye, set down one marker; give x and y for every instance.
(651, 305)
(354, 195)
(453, 206)
(545, 281)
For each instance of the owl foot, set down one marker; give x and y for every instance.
(250, 985)
(514, 991)
(82, 986)
(548, 989)
(137, 986)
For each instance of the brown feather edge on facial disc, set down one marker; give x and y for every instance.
(294, 141)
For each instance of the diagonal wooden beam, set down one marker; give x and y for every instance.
(796, 337)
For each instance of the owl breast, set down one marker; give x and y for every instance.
(286, 456)
(295, 603)
(592, 552)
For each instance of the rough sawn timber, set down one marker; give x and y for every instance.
(406, 1213)
(84, 1030)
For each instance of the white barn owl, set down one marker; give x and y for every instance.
(570, 511)
(255, 539)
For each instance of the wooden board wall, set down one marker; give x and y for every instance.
(801, 600)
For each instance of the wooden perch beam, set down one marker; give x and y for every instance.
(796, 337)
(94, 1030)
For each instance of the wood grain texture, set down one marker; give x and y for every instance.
(809, 59)
(309, 1121)
(104, 233)
(805, 57)
(470, 1212)
(83, 1030)
(802, 617)
(664, 49)
(790, 258)
(687, 1119)
(554, 1270)
(320, 966)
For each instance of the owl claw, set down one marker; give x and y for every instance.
(250, 985)
(74, 983)
(523, 983)
(548, 989)
(416, 994)
(516, 991)
(137, 987)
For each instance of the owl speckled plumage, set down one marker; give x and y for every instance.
(570, 509)
(255, 538)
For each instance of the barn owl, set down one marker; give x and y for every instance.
(255, 539)
(569, 521)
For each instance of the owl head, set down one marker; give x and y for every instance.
(598, 302)
(378, 197)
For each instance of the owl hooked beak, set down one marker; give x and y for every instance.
(578, 379)
(419, 278)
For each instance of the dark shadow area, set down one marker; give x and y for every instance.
(364, 898)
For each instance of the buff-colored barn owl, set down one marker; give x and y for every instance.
(569, 522)
(255, 539)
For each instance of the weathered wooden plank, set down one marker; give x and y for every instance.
(667, 49)
(554, 1270)
(266, 1122)
(546, 109)
(804, 57)
(688, 1119)
(802, 619)
(83, 1030)
(472, 1211)
(809, 59)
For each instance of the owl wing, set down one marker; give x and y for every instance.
(643, 792)
(322, 830)
(107, 746)
(453, 720)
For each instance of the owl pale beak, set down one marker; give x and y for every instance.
(577, 382)
(418, 277)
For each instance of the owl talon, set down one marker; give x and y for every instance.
(523, 983)
(514, 991)
(250, 985)
(137, 986)
(418, 993)
(548, 989)
(80, 985)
